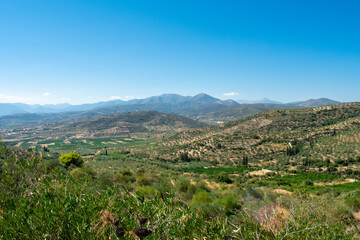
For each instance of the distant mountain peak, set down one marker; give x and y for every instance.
(317, 102)
(204, 98)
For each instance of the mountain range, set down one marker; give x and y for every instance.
(171, 103)
(201, 107)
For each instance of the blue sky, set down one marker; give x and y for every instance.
(87, 51)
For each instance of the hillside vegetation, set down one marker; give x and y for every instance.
(136, 124)
(317, 136)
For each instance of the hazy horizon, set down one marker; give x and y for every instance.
(85, 52)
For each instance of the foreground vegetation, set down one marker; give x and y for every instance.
(42, 200)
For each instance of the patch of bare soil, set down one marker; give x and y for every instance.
(212, 184)
(261, 172)
(349, 180)
(282, 191)
(356, 215)
(11, 140)
(48, 144)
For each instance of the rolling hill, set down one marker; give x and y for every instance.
(286, 137)
(136, 124)
(236, 112)
(145, 124)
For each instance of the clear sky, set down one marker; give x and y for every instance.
(81, 51)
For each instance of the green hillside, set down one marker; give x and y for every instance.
(316, 135)
(236, 112)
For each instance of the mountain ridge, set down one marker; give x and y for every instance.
(170, 99)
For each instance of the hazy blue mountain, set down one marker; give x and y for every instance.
(165, 98)
(204, 98)
(315, 102)
(264, 100)
(10, 108)
(227, 102)
(91, 106)
(193, 106)
(165, 103)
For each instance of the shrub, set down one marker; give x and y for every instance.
(50, 165)
(126, 172)
(143, 181)
(229, 202)
(307, 182)
(147, 191)
(353, 203)
(71, 158)
(78, 173)
(256, 193)
(190, 192)
(201, 197)
(183, 185)
(223, 177)
(124, 176)
(105, 180)
(163, 186)
(332, 169)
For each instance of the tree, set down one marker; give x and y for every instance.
(71, 158)
(245, 160)
(184, 157)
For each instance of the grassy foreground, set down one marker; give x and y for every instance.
(37, 202)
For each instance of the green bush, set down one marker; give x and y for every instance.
(182, 185)
(307, 182)
(71, 158)
(124, 176)
(78, 173)
(353, 203)
(143, 181)
(126, 172)
(50, 165)
(229, 202)
(147, 191)
(223, 177)
(105, 180)
(201, 197)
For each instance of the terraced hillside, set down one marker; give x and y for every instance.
(312, 137)
(239, 111)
